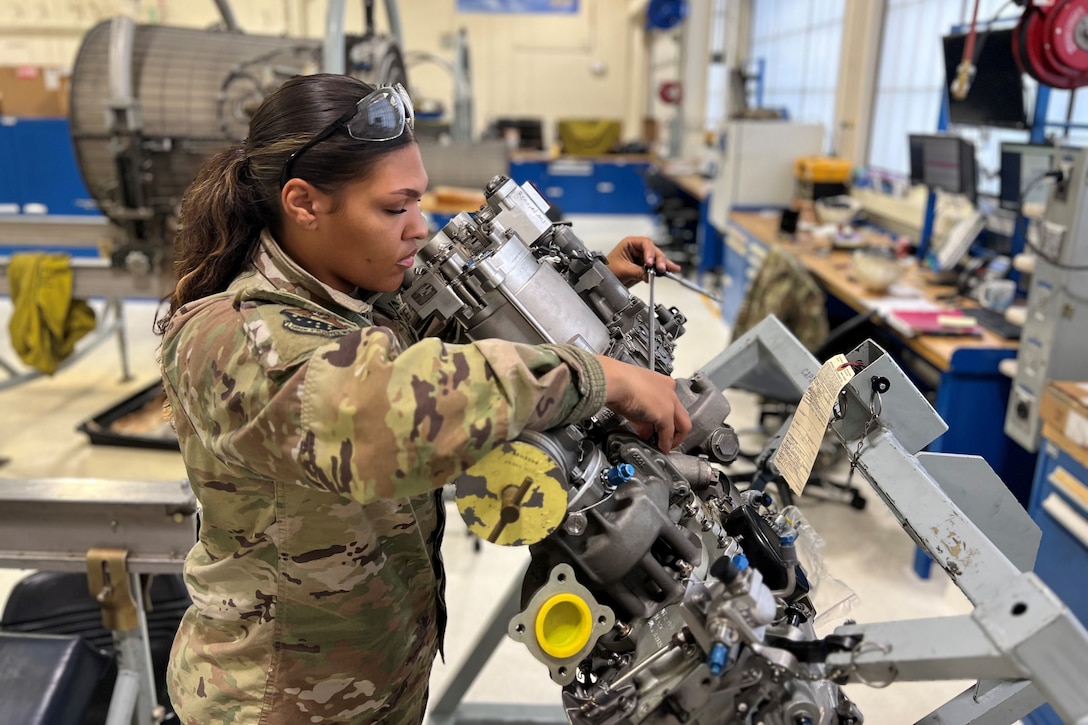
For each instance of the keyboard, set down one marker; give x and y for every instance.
(995, 322)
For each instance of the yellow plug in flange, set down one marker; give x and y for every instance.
(564, 625)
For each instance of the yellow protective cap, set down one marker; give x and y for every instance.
(563, 625)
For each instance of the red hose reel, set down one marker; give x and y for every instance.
(1051, 43)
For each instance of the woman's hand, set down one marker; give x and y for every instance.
(629, 259)
(648, 400)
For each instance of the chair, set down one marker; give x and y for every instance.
(47, 679)
(785, 288)
(59, 603)
(679, 217)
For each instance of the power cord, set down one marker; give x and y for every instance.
(1059, 177)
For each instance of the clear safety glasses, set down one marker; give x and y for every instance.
(379, 116)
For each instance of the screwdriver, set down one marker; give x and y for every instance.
(690, 285)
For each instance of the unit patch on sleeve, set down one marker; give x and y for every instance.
(312, 322)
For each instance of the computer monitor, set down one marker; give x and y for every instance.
(996, 94)
(944, 162)
(1022, 164)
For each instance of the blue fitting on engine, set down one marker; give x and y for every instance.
(740, 561)
(787, 539)
(717, 659)
(621, 473)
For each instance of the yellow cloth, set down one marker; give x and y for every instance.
(46, 322)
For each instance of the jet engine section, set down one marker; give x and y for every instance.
(657, 591)
(507, 272)
(150, 103)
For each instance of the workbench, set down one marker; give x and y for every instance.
(968, 390)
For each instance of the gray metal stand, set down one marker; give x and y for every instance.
(114, 531)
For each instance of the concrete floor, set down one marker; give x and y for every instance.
(865, 550)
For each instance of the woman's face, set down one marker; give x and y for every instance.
(370, 239)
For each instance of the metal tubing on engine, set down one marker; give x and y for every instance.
(695, 469)
(645, 664)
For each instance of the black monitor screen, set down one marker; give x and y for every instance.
(996, 95)
(1022, 164)
(946, 163)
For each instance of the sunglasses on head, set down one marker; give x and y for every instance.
(379, 116)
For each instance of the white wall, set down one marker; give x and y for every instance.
(48, 32)
(549, 66)
(581, 65)
(596, 63)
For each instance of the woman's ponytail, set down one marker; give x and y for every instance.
(222, 215)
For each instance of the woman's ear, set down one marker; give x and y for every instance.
(303, 203)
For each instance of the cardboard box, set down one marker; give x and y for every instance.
(33, 92)
(1064, 408)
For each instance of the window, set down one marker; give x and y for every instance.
(717, 74)
(910, 84)
(1058, 111)
(800, 42)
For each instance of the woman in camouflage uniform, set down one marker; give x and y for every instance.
(316, 433)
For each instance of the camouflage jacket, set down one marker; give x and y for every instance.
(785, 288)
(315, 439)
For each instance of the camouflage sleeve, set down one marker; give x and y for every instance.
(357, 415)
(379, 425)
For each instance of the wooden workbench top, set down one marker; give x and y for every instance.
(451, 200)
(695, 184)
(834, 272)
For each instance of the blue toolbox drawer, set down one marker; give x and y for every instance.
(1059, 505)
(587, 185)
(38, 170)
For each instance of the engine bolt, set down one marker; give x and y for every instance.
(575, 524)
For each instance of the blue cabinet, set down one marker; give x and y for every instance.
(734, 273)
(592, 185)
(10, 197)
(38, 170)
(621, 187)
(1059, 505)
(742, 256)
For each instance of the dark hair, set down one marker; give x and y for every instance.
(236, 193)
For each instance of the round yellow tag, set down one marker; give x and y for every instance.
(514, 496)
